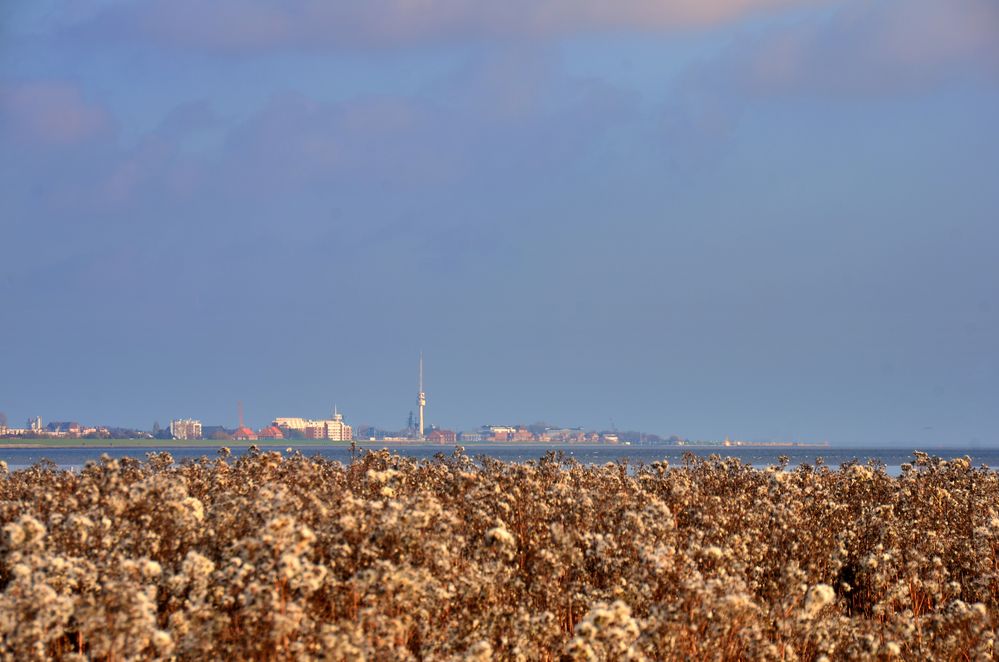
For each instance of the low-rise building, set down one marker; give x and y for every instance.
(216, 432)
(522, 434)
(243, 433)
(270, 432)
(64, 428)
(506, 433)
(438, 436)
(563, 435)
(497, 432)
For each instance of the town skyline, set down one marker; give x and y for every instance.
(317, 429)
(255, 425)
(298, 428)
(334, 429)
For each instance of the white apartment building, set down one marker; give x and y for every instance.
(185, 428)
(333, 429)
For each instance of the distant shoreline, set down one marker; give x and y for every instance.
(364, 443)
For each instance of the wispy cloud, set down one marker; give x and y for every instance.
(874, 49)
(242, 25)
(484, 126)
(49, 112)
(860, 51)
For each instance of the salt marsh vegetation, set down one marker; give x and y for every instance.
(272, 556)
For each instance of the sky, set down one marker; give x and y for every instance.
(762, 219)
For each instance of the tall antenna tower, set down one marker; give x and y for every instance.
(239, 406)
(421, 398)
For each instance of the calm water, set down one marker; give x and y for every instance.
(75, 458)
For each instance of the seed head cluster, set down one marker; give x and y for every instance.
(271, 556)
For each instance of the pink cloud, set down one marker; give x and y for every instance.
(872, 49)
(262, 24)
(930, 31)
(859, 52)
(50, 112)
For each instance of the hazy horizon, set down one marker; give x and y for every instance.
(773, 219)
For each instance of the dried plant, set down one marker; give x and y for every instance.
(286, 557)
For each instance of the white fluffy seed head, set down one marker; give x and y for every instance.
(816, 599)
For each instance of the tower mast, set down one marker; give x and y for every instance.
(421, 398)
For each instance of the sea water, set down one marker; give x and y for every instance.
(759, 456)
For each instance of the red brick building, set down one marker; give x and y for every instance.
(271, 432)
(244, 434)
(522, 434)
(442, 437)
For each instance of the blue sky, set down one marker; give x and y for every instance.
(755, 218)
